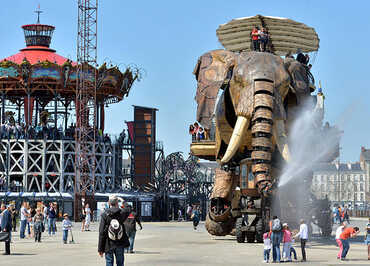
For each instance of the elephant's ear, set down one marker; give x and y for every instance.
(299, 77)
(210, 71)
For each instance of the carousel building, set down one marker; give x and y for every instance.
(38, 118)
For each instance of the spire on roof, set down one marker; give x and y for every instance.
(38, 11)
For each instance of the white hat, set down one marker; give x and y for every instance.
(285, 224)
(113, 200)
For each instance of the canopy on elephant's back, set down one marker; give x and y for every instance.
(286, 35)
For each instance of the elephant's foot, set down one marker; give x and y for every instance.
(265, 188)
(219, 228)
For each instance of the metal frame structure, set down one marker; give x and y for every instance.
(86, 100)
(36, 163)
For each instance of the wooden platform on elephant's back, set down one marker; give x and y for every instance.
(204, 149)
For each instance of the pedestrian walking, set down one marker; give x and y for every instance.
(345, 214)
(52, 215)
(266, 247)
(130, 227)
(112, 235)
(303, 235)
(87, 217)
(367, 239)
(334, 212)
(82, 218)
(276, 238)
(45, 213)
(39, 226)
(287, 240)
(338, 232)
(344, 236)
(30, 223)
(195, 216)
(66, 226)
(14, 214)
(189, 211)
(179, 215)
(24, 217)
(6, 226)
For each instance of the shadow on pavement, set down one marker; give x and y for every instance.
(145, 253)
(22, 254)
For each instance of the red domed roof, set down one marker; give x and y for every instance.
(37, 54)
(38, 38)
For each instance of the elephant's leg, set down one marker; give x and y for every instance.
(262, 123)
(219, 220)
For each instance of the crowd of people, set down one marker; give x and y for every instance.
(20, 131)
(281, 233)
(340, 214)
(117, 230)
(36, 220)
(197, 132)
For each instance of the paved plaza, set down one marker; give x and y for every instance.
(173, 243)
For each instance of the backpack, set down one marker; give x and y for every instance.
(115, 230)
(276, 225)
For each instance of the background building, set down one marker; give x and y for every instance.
(345, 183)
(365, 164)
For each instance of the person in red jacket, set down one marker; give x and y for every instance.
(255, 39)
(344, 236)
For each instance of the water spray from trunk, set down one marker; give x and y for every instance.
(309, 144)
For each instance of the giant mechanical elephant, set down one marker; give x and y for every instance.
(261, 95)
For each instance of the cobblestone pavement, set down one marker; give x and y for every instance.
(173, 243)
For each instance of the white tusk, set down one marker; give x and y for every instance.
(236, 138)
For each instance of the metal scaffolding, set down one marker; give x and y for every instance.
(86, 101)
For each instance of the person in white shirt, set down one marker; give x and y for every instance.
(24, 217)
(266, 247)
(45, 212)
(303, 235)
(337, 238)
(88, 217)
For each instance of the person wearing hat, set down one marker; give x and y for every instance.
(39, 227)
(112, 235)
(66, 225)
(287, 243)
(6, 226)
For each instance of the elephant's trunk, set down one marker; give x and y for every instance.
(241, 125)
(262, 123)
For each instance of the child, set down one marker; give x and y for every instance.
(66, 225)
(287, 240)
(266, 247)
(292, 250)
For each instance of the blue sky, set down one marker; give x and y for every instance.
(166, 38)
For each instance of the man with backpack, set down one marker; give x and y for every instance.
(112, 235)
(276, 237)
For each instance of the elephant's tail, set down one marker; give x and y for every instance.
(262, 122)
